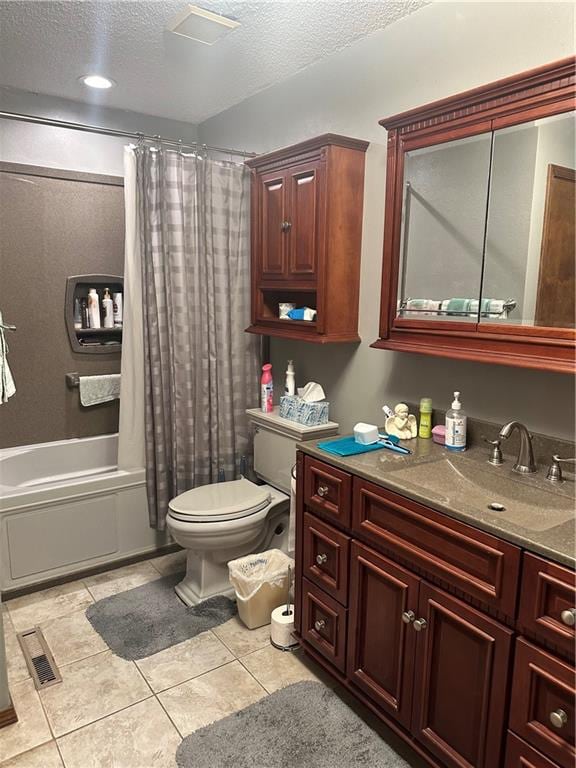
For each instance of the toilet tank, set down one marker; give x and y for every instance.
(275, 441)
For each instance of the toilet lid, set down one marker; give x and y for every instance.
(220, 501)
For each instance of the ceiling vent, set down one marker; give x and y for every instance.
(201, 25)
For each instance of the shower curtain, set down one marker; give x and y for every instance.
(200, 368)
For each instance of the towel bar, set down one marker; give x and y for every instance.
(72, 380)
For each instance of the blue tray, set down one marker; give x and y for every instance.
(347, 446)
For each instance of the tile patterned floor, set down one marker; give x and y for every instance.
(111, 713)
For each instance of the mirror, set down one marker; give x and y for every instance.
(530, 238)
(443, 224)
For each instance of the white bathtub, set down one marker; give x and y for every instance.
(65, 507)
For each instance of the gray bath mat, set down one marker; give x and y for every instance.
(305, 725)
(147, 619)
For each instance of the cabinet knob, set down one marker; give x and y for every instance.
(321, 559)
(558, 718)
(420, 624)
(319, 625)
(569, 617)
(322, 490)
(408, 617)
(285, 226)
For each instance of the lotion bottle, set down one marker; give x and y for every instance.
(108, 309)
(456, 426)
(267, 389)
(94, 308)
(290, 388)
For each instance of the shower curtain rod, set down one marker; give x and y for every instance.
(114, 132)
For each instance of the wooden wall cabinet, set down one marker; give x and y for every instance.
(306, 237)
(402, 624)
(529, 338)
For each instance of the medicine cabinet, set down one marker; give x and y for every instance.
(92, 340)
(479, 253)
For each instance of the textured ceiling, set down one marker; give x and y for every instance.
(45, 46)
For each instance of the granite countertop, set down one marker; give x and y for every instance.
(538, 516)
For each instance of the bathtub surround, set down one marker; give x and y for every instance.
(305, 724)
(443, 49)
(200, 367)
(149, 619)
(38, 254)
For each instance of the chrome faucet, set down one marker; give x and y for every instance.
(525, 462)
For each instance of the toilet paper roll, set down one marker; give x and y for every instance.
(282, 627)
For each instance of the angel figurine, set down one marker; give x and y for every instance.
(402, 424)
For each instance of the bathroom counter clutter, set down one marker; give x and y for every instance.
(526, 510)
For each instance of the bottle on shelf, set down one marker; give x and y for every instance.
(117, 309)
(94, 308)
(77, 313)
(107, 307)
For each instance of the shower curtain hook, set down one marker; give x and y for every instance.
(180, 152)
(158, 139)
(140, 139)
(205, 151)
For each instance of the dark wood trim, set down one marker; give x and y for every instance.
(507, 90)
(8, 716)
(531, 95)
(296, 333)
(310, 145)
(61, 173)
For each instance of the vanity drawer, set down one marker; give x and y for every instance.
(474, 562)
(328, 491)
(542, 707)
(324, 624)
(548, 602)
(325, 557)
(521, 755)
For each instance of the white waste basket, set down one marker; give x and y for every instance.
(261, 584)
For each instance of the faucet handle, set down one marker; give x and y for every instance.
(495, 457)
(555, 470)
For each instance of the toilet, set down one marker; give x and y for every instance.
(219, 522)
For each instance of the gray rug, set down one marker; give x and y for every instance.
(147, 619)
(305, 725)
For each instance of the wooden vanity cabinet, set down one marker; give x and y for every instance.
(426, 637)
(306, 230)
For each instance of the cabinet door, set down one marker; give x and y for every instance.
(380, 644)
(460, 682)
(273, 228)
(305, 186)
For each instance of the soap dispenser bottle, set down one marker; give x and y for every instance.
(456, 426)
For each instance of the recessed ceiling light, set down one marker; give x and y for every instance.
(201, 25)
(97, 81)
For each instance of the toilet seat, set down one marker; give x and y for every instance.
(220, 502)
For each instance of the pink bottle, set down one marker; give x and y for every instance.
(266, 389)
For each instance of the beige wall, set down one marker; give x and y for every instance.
(443, 49)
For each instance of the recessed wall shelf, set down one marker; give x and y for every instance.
(100, 341)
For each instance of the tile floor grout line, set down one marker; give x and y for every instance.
(178, 731)
(266, 691)
(189, 679)
(104, 717)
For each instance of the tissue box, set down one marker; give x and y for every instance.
(294, 408)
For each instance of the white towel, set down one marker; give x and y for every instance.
(99, 389)
(7, 386)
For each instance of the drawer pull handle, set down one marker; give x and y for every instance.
(319, 625)
(408, 617)
(558, 718)
(569, 617)
(321, 559)
(322, 490)
(420, 624)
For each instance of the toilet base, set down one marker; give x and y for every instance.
(204, 578)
